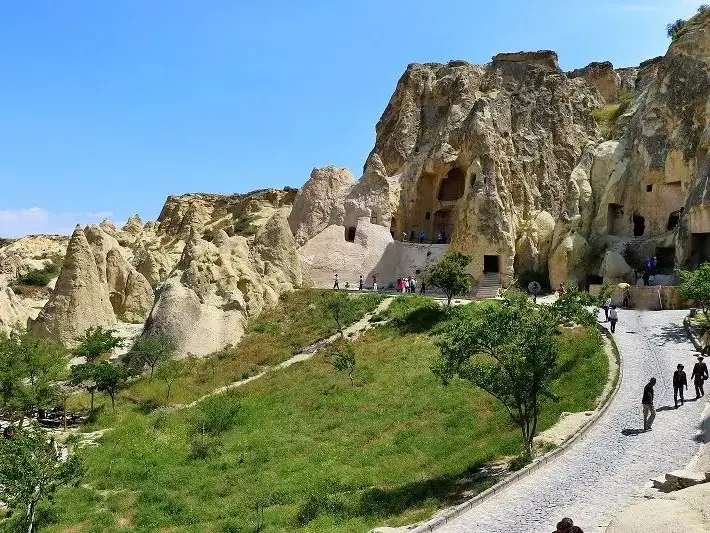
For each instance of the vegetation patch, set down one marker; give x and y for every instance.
(607, 117)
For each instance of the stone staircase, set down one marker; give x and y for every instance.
(489, 286)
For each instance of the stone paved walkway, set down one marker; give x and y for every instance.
(600, 474)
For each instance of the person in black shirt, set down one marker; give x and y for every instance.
(649, 411)
(699, 375)
(680, 380)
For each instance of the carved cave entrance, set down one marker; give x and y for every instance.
(443, 224)
(699, 249)
(452, 185)
(639, 225)
(615, 219)
(491, 263)
(666, 259)
(673, 220)
(350, 234)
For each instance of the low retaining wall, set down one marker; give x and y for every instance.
(455, 512)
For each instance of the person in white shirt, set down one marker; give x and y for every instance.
(606, 306)
(613, 318)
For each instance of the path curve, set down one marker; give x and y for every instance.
(598, 476)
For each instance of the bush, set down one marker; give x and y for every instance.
(520, 461)
(218, 414)
(36, 277)
(202, 448)
(608, 116)
(674, 29)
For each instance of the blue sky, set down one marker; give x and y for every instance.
(108, 107)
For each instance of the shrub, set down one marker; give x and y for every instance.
(36, 277)
(218, 414)
(673, 30)
(202, 448)
(520, 461)
(608, 116)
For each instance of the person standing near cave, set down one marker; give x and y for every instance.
(336, 284)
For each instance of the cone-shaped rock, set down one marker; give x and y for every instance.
(79, 299)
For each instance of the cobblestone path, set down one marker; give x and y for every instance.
(599, 475)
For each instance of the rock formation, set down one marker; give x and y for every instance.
(19, 256)
(13, 313)
(79, 299)
(312, 207)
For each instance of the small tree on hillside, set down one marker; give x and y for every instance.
(95, 342)
(345, 361)
(695, 286)
(509, 351)
(449, 274)
(673, 29)
(576, 307)
(339, 304)
(168, 371)
(31, 470)
(111, 379)
(151, 350)
(702, 8)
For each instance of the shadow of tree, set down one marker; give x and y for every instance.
(447, 490)
(421, 319)
(674, 333)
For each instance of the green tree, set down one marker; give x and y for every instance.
(339, 306)
(111, 379)
(29, 371)
(151, 350)
(83, 376)
(449, 274)
(31, 470)
(695, 286)
(168, 371)
(509, 351)
(673, 30)
(576, 307)
(95, 342)
(702, 8)
(345, 361)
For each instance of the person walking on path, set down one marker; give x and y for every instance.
(336, 284)
(561, 290)
(649, 411)
(422, 288)
(699, 375)
(361, 283)
(606, 306)
(374, 282)
(412, 285)
(613, 318)
(680, 380)
(627, 298)
(422, 236)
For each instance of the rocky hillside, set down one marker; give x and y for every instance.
(571, 175)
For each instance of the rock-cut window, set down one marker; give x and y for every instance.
(452, 186)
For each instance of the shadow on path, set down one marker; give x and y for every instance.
(628, 432)
(674, 333)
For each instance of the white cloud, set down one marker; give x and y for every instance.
(18, 222)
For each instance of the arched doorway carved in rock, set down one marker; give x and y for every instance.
(452, 185)
(443, 224)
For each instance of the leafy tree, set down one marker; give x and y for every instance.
(673, 29)
(111, 379)
(95, 342)
(83, 376)
(573, 307)
(151, 350)
(449, 274)
(695, 286)
(29, 371)
(31, 470)
(345, 361)
(509, 351)
(168, 371)
(339, 305)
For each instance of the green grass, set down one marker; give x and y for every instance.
(608, 116)
(300, 319)
(312, 452)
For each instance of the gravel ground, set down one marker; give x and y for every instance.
(615, 461)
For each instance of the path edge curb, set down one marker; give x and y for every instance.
(689, 332)
(434, 523)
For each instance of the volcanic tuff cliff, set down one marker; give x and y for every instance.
(506, 161)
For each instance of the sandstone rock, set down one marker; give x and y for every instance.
(79, 300)
(133, 226)
(315, 201)
(19, 256)
(130, 292)
(13, 313)
(567, 261)
(603, 77)
(614, 268)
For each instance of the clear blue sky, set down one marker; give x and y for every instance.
(109, 106)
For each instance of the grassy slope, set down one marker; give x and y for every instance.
(316, 453)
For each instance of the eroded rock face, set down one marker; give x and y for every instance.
(603, 77)
(130, 293)
(312, 207)
(13, 313)
(206, 302)
(19, 256)
(79, 300)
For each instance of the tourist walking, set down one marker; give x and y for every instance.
(649, 411)
(336, 284)
(627, 298)
(564, 526)
(561, 290)
(440, 238)
(422, 288)
(422, 236)
(412, 285)
(374, 282)
(613, 318)
(680, 380)
(699, 375)
(606, 306)
(361, 283)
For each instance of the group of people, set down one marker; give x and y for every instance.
(611, 315)
(412, 235)
(650, 269)
(566, 525)
(680, 383)
(409, 285)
